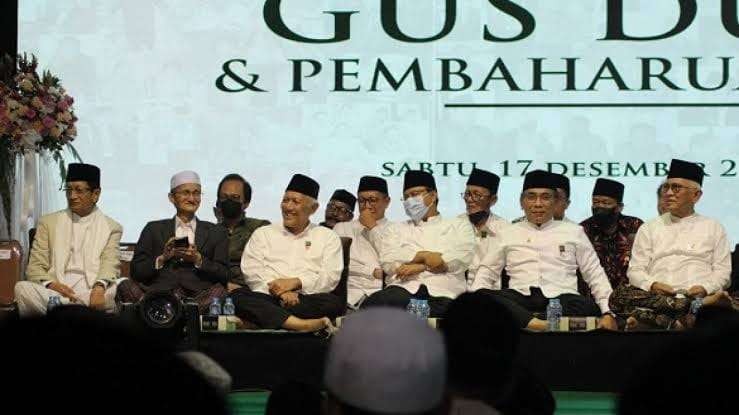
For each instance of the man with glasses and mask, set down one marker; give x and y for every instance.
(480, 195)
(541, 256)
(365, 271)
(234, 196)
(611, 233)
(427, 255)
(340, 208)
(678, 257)
(183, 255)
(75, 251)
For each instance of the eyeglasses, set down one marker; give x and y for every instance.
(368, 201)
(676, 188)
(76, 190)
(474, 197)
(338, 208)
(533, 197)
(197, 194)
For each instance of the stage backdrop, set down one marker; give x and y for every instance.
(337, 89)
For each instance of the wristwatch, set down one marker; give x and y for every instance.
(609, 313)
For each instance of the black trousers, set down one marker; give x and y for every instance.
(523, 307)
(394, 296)
(266, 312)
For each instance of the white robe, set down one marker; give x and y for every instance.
(682, 253)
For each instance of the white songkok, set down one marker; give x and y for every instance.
(184, 177)
(388, 361)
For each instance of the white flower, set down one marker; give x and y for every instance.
(30, 138)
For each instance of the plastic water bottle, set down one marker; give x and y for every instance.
(54, 301)
(228, 307)
(696, 305)
(554, 313)
(413, 306)
(424, 309)
(215, 307)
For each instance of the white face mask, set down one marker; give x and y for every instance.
(415, 208)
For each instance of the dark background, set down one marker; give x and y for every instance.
(9, 27)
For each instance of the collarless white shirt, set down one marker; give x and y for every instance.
(363, 257)
(182, 229)
(546, 256)
(74, 272)
(453, 238)
(681, 252)
(314, 256)
(493, 226)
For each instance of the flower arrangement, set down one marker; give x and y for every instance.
(36, 115)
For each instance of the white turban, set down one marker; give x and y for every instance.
(386, 360)
(184, 177)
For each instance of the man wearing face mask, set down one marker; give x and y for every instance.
(365, 272)
(426, 255)
(234, 197)
(340, 208)
(611, 233)
(479, 197)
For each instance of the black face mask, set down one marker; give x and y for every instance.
(478, 217)
(605, 216)
(230, 209)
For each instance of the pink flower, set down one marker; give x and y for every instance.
(62, 105)
(49, 122)
(31, 113)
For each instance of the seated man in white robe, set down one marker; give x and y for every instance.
(480, 195)
(678, 257)
(426, 256)
(75, 251)
(291, 268)
(365, 272)
(541, 256)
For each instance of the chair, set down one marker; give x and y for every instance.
(341, 289)
(126, 255)
(11, 258)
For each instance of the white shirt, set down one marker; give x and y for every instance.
(183, 229)
(453, 238)
(74, 272)
(546, 257)
(363, 257)
(682, 253)
(314, 256)
(492, 227)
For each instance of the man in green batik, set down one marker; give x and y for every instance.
(234, 196)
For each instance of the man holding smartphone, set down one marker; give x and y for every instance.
(184, 255)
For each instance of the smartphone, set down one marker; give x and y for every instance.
(181, 242)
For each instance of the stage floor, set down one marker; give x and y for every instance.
(568, 403)
(595, 361)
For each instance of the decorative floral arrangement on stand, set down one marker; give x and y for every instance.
(36, 115)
